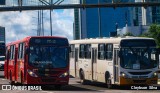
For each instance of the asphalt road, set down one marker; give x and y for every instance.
(75, 86)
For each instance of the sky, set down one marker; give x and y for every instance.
(21, 24)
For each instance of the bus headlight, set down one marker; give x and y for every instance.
(124, 75)
(155, 74)
(31, 73)
(64, 75)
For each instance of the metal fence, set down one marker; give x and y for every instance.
(37, 2)
(16, 5)
(64, 2)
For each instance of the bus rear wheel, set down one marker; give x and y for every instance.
(21, 78)
(11, 81)
(82, 78)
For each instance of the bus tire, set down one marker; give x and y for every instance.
(82, 77)
(57, 87)
(108, 80)
(109, 84)
(21, 78)
(11, 81)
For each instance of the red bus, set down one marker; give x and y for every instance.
(38, 60)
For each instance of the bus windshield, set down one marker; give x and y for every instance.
(138, 58)
(48, 56)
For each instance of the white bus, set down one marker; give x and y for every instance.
(115, 61)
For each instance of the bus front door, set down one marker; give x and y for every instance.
(116, 65)
(94, 63)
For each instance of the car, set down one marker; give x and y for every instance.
(2, 58)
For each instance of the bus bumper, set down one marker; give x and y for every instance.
(143, 81)
(48, 80)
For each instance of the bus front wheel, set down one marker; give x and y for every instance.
(108, 80)
(57, 87)
(109, 83)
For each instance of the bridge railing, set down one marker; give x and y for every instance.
(19, 5)
(11, 3)
(36, 2)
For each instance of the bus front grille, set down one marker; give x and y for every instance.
(140, 73)
(139, 81)
(48, 80)
(138, 77)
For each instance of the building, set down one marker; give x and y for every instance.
(2, 2)
(146, 15)
(2, 34)
(2, 41)
(100, 22)
(76, 25)
(104, 22)
(143, 17)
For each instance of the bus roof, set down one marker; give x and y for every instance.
(29, 37)
(114, 40)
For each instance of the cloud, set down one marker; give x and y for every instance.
(19, 25)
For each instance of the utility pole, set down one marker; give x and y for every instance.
(20, 2)
(51, 17)
(50, 3)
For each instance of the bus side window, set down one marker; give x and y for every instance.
(109, 51)
(88, 51)
(20, 51)
(12, 51)
(82, 51)
(23, 50)
(101, 51)
(72, 54)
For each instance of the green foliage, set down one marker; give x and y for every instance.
(146, 34)
(128, 34)
(154, 32)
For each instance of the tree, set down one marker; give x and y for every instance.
(153, 32)
(128, 34)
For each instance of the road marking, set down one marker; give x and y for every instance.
(47, 92)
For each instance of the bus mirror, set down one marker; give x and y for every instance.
(158, 50)
(119, 53)
(27, 50)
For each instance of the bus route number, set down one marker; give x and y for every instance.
(51, 41)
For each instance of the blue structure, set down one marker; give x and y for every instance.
(99, 22)
(2, 2)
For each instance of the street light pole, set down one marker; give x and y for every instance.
(99, 19)
(116, 28)
(51, 3)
